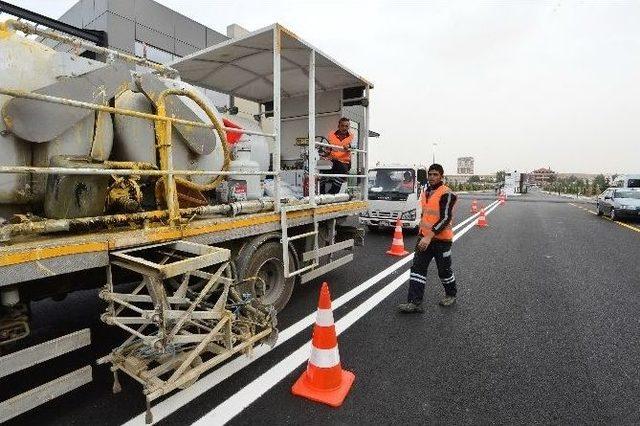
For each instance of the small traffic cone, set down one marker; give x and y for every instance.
(397, 245)
(324, 381)
(474, 206)
(482, 219)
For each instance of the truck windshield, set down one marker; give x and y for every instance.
(633, 183)
(391, 180)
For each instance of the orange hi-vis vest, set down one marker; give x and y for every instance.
(431, 214)
(338, 154)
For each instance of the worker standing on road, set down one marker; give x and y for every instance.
(436, 239)
(340, 158)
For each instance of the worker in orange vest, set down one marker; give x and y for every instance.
(436, 238)
(340, 157)
(407, 182)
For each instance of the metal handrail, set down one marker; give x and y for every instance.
(339, 148)
(121, 111)
(124, 172)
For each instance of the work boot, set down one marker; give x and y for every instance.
(448, 301)
(410, 308)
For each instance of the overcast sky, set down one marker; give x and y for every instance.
(515, 84)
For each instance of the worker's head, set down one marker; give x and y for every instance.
(343, 125)
(435, 174)
(408, 176)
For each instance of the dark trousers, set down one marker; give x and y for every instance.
(441, 251)
(332, 185)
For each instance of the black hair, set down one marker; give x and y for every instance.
(437, 167)
(343, 119)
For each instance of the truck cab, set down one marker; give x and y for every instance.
(394, 192)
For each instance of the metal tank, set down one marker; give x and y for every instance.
(31, 135)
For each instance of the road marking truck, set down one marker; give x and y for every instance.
(118, 174)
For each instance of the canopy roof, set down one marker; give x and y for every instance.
(243, 67)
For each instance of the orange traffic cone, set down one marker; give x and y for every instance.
(482, 219)
(397, 245)
(502, 198)
(474, 206)
(324, 381)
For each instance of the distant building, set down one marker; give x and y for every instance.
(458, 178)
(465, 165)
(541, 176)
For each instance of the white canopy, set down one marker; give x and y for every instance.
(243, 67)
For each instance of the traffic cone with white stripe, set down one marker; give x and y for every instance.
(474, 206)
(324, 381)
(397, 245)
(482, 219)
(503, 199)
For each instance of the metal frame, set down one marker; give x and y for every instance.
(180, 329)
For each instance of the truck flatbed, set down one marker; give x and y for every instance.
(48, 256)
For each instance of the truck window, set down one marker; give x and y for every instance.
(392, 180)
(633, 183)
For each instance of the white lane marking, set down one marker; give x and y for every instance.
(235, 404)
(179, 399)
(247, 395)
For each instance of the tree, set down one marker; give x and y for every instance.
(474, 179)
(599, 183)
(500, 176)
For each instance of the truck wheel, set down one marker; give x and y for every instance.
(265, 262)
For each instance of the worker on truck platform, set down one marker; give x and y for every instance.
(436, 238)
(340, 158)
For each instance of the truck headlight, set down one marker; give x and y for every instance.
(626, 207)
(410, 215)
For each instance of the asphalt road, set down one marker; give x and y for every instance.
(545, 331)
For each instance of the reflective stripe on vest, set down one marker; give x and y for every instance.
(338, 154)
(431, 214)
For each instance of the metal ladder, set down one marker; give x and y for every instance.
(286, 239)
(313, 270)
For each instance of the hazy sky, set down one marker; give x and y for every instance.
(515, 84)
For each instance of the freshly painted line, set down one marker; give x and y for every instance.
(179, 399)
(235, 404)
(626, 225)
(633, 228)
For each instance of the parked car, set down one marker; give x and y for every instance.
(619, 202)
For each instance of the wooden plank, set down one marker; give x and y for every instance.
(33, 355)
(37, 396)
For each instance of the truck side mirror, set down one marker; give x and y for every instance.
(422, 176)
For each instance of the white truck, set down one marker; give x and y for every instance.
(394, 192)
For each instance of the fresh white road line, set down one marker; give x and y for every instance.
(179, 399)
(235, 404)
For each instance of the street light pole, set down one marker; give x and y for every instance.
(433, 150)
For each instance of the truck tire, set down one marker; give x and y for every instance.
(265, 262)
